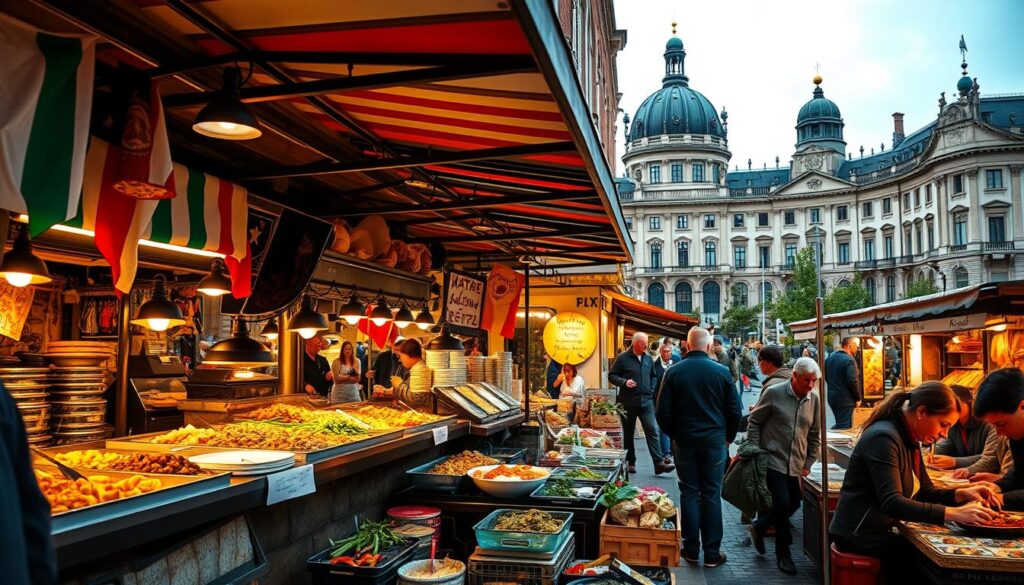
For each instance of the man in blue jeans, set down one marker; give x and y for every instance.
(699, 408)
(633, 372)
(662, 363)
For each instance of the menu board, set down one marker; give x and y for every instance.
(464, 302)
(15, 303)
(570, 338)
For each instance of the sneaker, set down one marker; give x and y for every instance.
(714, 561)
(786, 565)
(692, 560)
(757, 539)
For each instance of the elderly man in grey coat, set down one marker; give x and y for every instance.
(785, 422)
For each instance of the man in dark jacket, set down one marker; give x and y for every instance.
(665, 360)
(26, 550)
(316, 372)
(843, 381)
(698, 407)
(1000, 403)
(553, 370)
(633, 373)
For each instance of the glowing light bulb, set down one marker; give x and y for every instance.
(227, 125)
(19, 279)
(423, 326)
(212, 292)
(159, 324)
(352, 319)
(271, 336)
(379, 321)
(307, 332)
(403, 324)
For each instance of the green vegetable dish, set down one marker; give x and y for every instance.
(559, 487)
(583, 473)
(370, 537)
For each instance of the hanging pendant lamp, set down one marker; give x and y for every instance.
(307, 321)
(239, 349)
(445, 341)
(216, 283)
(159, 313)
(404, 317)
(270, 329)
(381, 312)
(21, 267)
(424, 320)
(226, 117)
(353, 311)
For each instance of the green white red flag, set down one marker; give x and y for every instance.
(46, 83)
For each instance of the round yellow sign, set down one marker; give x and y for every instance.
(570, 338)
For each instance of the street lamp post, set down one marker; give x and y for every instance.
(819, 310)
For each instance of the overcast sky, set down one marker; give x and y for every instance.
(757, 60)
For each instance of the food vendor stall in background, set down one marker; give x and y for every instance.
(313, 172)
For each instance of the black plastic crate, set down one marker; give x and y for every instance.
(324, 573)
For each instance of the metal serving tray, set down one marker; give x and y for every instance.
(450, 395)
(175, 488)
(98, 446)
(576, 500)
(509, 402)
(141, 443)
(560, 472)
(446, 420)
(435, 482)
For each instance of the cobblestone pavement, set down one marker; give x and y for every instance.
(744, 566)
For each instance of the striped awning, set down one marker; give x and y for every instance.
(461, 121)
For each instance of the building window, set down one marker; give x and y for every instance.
(996, 228)
(931, 236)
(842, 213)
(961, 277)
(740, 257)
(655, 172)
(958, 183)
(654, 222)
(709, 221)
(766, 292)
(819, 252)
(716, 174)
(684, 298)
(928, 195)
(917, 197)
(906, 202)
(789, 218)
(844, 252)
(677, 172)
(1000, 276)
(737, 220)
(655, 255)
(762, 219)
(890, 289)
(712, 297)
(960, 229)
(710, 255)
(698, 172)
(868, 209)
(683, 254)
(889, 247)
(656, 295)
(887, 206)
(917, 240)
(869, 249)
(682, 222)
(629, 223)
(869, 285)
(790, 287)
(764, 256)
(994, 179)
(790, 255)
(740, 294)
(815, 215)
(908, 247)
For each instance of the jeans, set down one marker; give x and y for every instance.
(651, 432)
(785, 490)
(666, 444)
(700, 471)
(843, 413)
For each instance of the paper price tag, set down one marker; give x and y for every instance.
(289, 484)
(579, 451)
(440, 435)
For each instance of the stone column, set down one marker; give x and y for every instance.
(941, 205)
(1015, 203)
(975, 215)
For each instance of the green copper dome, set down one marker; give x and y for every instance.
(964, 85)
(818, 109)
(674, 43)
(819, 122)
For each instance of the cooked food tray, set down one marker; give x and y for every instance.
(490, 538)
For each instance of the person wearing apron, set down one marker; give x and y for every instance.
(346, 370)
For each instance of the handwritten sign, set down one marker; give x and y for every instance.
(440, 435)
(292, 483)
(570, 338)
(464, 303)
(15, 304)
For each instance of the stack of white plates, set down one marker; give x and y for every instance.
(477, 366)
(420, 379)
(449, 376)
(489, 365)
(503, 370)
(252, 462)
(457, 359)
(436, 359)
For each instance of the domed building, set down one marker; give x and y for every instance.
(942, 203)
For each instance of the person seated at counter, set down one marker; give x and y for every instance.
(571, 384)
(966, 441)
(995, 461)
(316, 372)
(1000, 403)
(886, 480)
(410, 353)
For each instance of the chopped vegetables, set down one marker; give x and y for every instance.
(583, 473)
(370, 538)
(529, 521)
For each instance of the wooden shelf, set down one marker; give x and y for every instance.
(970, 352)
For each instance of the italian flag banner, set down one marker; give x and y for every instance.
(46, 83)
(207, 214)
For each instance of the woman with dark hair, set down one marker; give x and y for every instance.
(1000, 403)
(346, 375)
(966, 441)
(571, 384)
(886, 480)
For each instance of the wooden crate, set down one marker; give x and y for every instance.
(605, 421)
(641, 546)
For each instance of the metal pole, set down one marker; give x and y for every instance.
(124, 338)
(761, 335)
(526, 353)
(819, 310)
(289, 360)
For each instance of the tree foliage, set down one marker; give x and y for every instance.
(847, 298)
(797, 303)
(738, 320)
(919, 288)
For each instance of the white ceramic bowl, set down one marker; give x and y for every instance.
(507, 487)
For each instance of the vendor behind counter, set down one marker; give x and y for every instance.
(316, 372)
